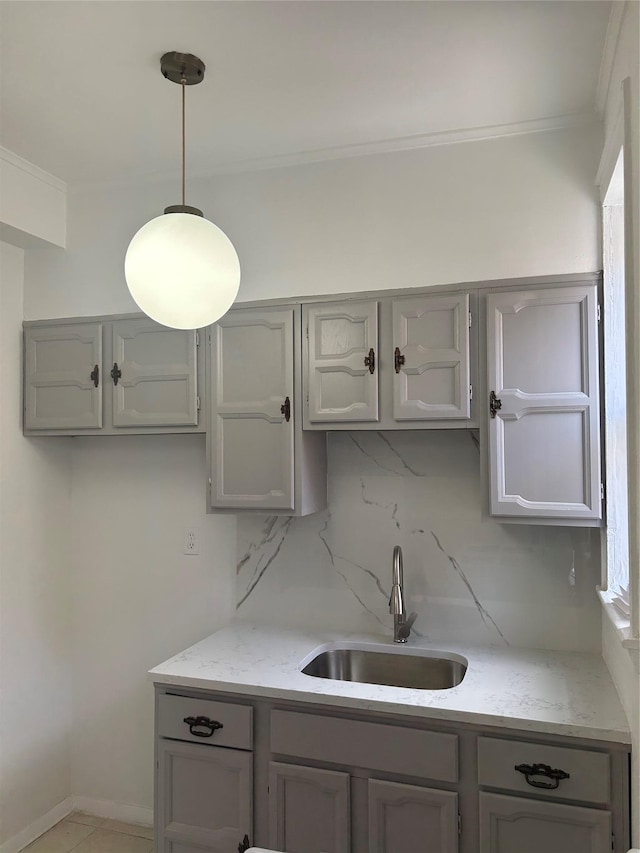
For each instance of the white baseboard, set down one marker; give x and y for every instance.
(38, 827)
(100, 808)
(115, 811)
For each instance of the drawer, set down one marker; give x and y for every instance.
(236, 721)
(589, 771)
(372, 746)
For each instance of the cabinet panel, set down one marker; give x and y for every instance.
(518, 825)
(411, 818)
(60, 390)
(308, 809)
(376, 746)
(544, 442)
(589, 771)
(431, 363)
(340, 385)
(236, 721)
(251, 439)
(205, 796)
(158, 382)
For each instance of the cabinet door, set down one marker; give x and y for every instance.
(431, 357)
(544, 442)
(308, 810)
(63, 376)
(340, 385)
(515, 825)
(204, 797)
(251, 442)
(412, 818)
(158, 385)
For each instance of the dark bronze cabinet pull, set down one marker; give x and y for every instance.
(116, 373)
(370, 360)
(197, 724)
(530, 770)
(494, 404)
(285, 408)
(244, 844)
(95, 375)
(398, 359)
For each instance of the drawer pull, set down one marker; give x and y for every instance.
(531, 770)
(197, 724)
(398, 359)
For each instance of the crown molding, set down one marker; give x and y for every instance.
(618, 9)
(384, 146)
(31, 169)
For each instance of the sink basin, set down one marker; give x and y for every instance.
(394, 669)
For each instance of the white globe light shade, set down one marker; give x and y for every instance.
(182, 271)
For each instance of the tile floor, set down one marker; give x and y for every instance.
(83, 833)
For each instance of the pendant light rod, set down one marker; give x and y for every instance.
(187, 70)
(184, 143)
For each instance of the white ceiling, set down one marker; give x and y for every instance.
(82, 96)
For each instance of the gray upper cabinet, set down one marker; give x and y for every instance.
(259, 459)
(341, 356)
(544, 439)
(111, 376)
(62, 365)
(395, 363)
(158, 381)
(431, 357)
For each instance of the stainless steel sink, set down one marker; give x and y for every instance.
(400, 669)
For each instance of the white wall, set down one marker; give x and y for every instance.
(625, 663)
(516, 206)
(35, 661)
(136, 599)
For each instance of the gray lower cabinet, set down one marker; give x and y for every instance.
(409, 818)
(204, 775)
(300, 778)
(110, 376)
(308, 809)
(544, 416)
(520, 825)
(258, 456)
(206, 795)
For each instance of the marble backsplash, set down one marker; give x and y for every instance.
(469, 578)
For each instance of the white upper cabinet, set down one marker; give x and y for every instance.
(341, 361)
(154, 376)
(259, 458)
(544, 437)
(62, 377)
(394, 363)
(111, 376)
(431, 357)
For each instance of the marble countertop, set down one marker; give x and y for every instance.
(548, 692)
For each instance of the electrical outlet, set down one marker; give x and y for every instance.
(190, 540)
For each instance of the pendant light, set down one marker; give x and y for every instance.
(181, 269)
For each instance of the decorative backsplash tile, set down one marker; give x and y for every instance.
(469, 578)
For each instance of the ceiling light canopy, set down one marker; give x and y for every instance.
(181, 269)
